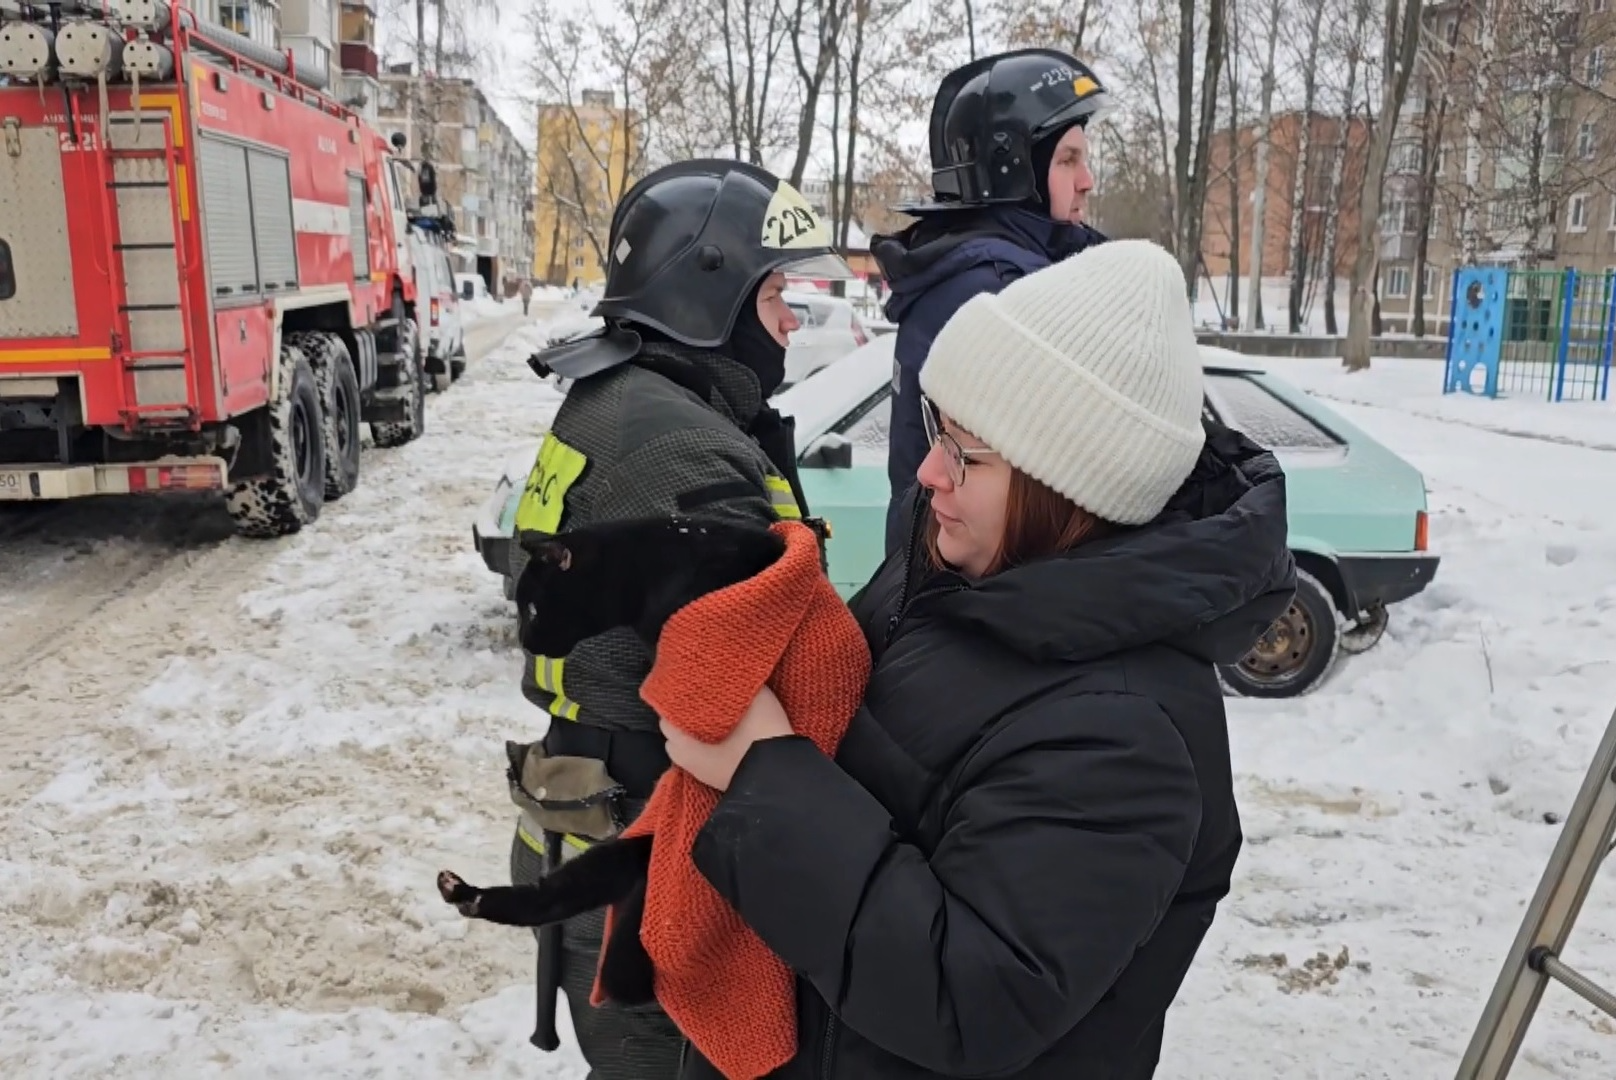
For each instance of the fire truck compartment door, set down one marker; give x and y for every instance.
(33, 223)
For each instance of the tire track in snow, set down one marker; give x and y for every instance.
(259, 826)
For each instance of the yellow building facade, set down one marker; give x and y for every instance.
(588, 156)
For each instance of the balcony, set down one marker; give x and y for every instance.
(1398, 248)
(360, 59)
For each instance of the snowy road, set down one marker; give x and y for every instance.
(231, 770)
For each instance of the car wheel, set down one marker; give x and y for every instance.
(1295, 653)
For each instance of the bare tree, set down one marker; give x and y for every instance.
(1479, 82)
(1436, 76)
(607, 81)
(815, 32)
(1231, 65)
(1355, 28)
(1302, 189)
(1399, 48)
(1053, 24)
(1196, 114)
(1263, 172)
(1563, 147)
(751, 35)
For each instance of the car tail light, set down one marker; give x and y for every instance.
(1422, 531)
(434, 311)
(858, 332)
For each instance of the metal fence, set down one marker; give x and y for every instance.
(1544, 333)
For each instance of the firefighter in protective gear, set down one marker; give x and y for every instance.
(1010, 180)
(666, 413)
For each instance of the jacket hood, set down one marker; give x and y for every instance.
(943, 245)
(1208, 576)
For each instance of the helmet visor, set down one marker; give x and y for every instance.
(1094, 107)
(825, 266)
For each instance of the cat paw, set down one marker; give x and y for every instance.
(454, 890)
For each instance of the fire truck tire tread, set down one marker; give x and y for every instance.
(283, 503)
(339, 397)
(408, 374)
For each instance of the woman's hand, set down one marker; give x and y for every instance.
(714, 764)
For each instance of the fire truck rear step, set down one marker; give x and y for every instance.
(149, 264)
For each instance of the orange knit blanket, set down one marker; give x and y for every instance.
(733, 998)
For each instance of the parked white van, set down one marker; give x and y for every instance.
(443, 333)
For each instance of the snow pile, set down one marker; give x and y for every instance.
(487, 307)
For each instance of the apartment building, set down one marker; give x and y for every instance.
(484, 174)
(589, 154)
(1232, 175)
(336, 38)
(1544, 152)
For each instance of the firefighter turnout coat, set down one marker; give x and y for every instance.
(663, 433)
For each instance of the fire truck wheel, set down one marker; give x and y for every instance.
(411, 374)
(290, 497)
(339, 390)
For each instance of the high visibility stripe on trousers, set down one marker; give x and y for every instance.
(537, 845)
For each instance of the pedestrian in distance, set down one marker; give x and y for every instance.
(666, 413)
(1010, 189)
(1020, 843)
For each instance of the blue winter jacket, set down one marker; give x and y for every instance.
(934, 267)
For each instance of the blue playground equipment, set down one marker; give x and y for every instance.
(1541, 332)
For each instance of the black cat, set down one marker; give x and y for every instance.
(577, 585)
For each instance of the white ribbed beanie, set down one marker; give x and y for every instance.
(1084, 375)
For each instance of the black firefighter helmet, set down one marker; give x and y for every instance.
(691, 242)
(988, 115)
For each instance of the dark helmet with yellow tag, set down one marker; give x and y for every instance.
(988, 116)
(691, 242)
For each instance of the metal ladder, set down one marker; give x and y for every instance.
(148, 265)
(1534, 959)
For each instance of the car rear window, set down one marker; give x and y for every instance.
(1242, 403)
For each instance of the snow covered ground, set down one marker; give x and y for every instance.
(229, 771)
(1396, 816)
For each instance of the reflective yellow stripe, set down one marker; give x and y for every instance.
(538, 846)
(557, 467)
(781, 498)
(547, 674)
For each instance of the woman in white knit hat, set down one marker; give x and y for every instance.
(1011, 862)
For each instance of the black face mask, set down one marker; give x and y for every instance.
(754, 348)
(1043, 153)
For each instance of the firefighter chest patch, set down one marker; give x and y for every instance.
(556, 469)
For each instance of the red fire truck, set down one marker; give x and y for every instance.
(204, 267)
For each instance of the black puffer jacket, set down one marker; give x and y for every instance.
(1021, 843)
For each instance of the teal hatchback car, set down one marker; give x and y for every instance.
(1357, 511)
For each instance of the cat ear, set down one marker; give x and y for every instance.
(554, 553)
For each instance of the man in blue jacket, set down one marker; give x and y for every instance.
(1010, 183)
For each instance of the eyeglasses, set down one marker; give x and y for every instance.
(955, 456)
